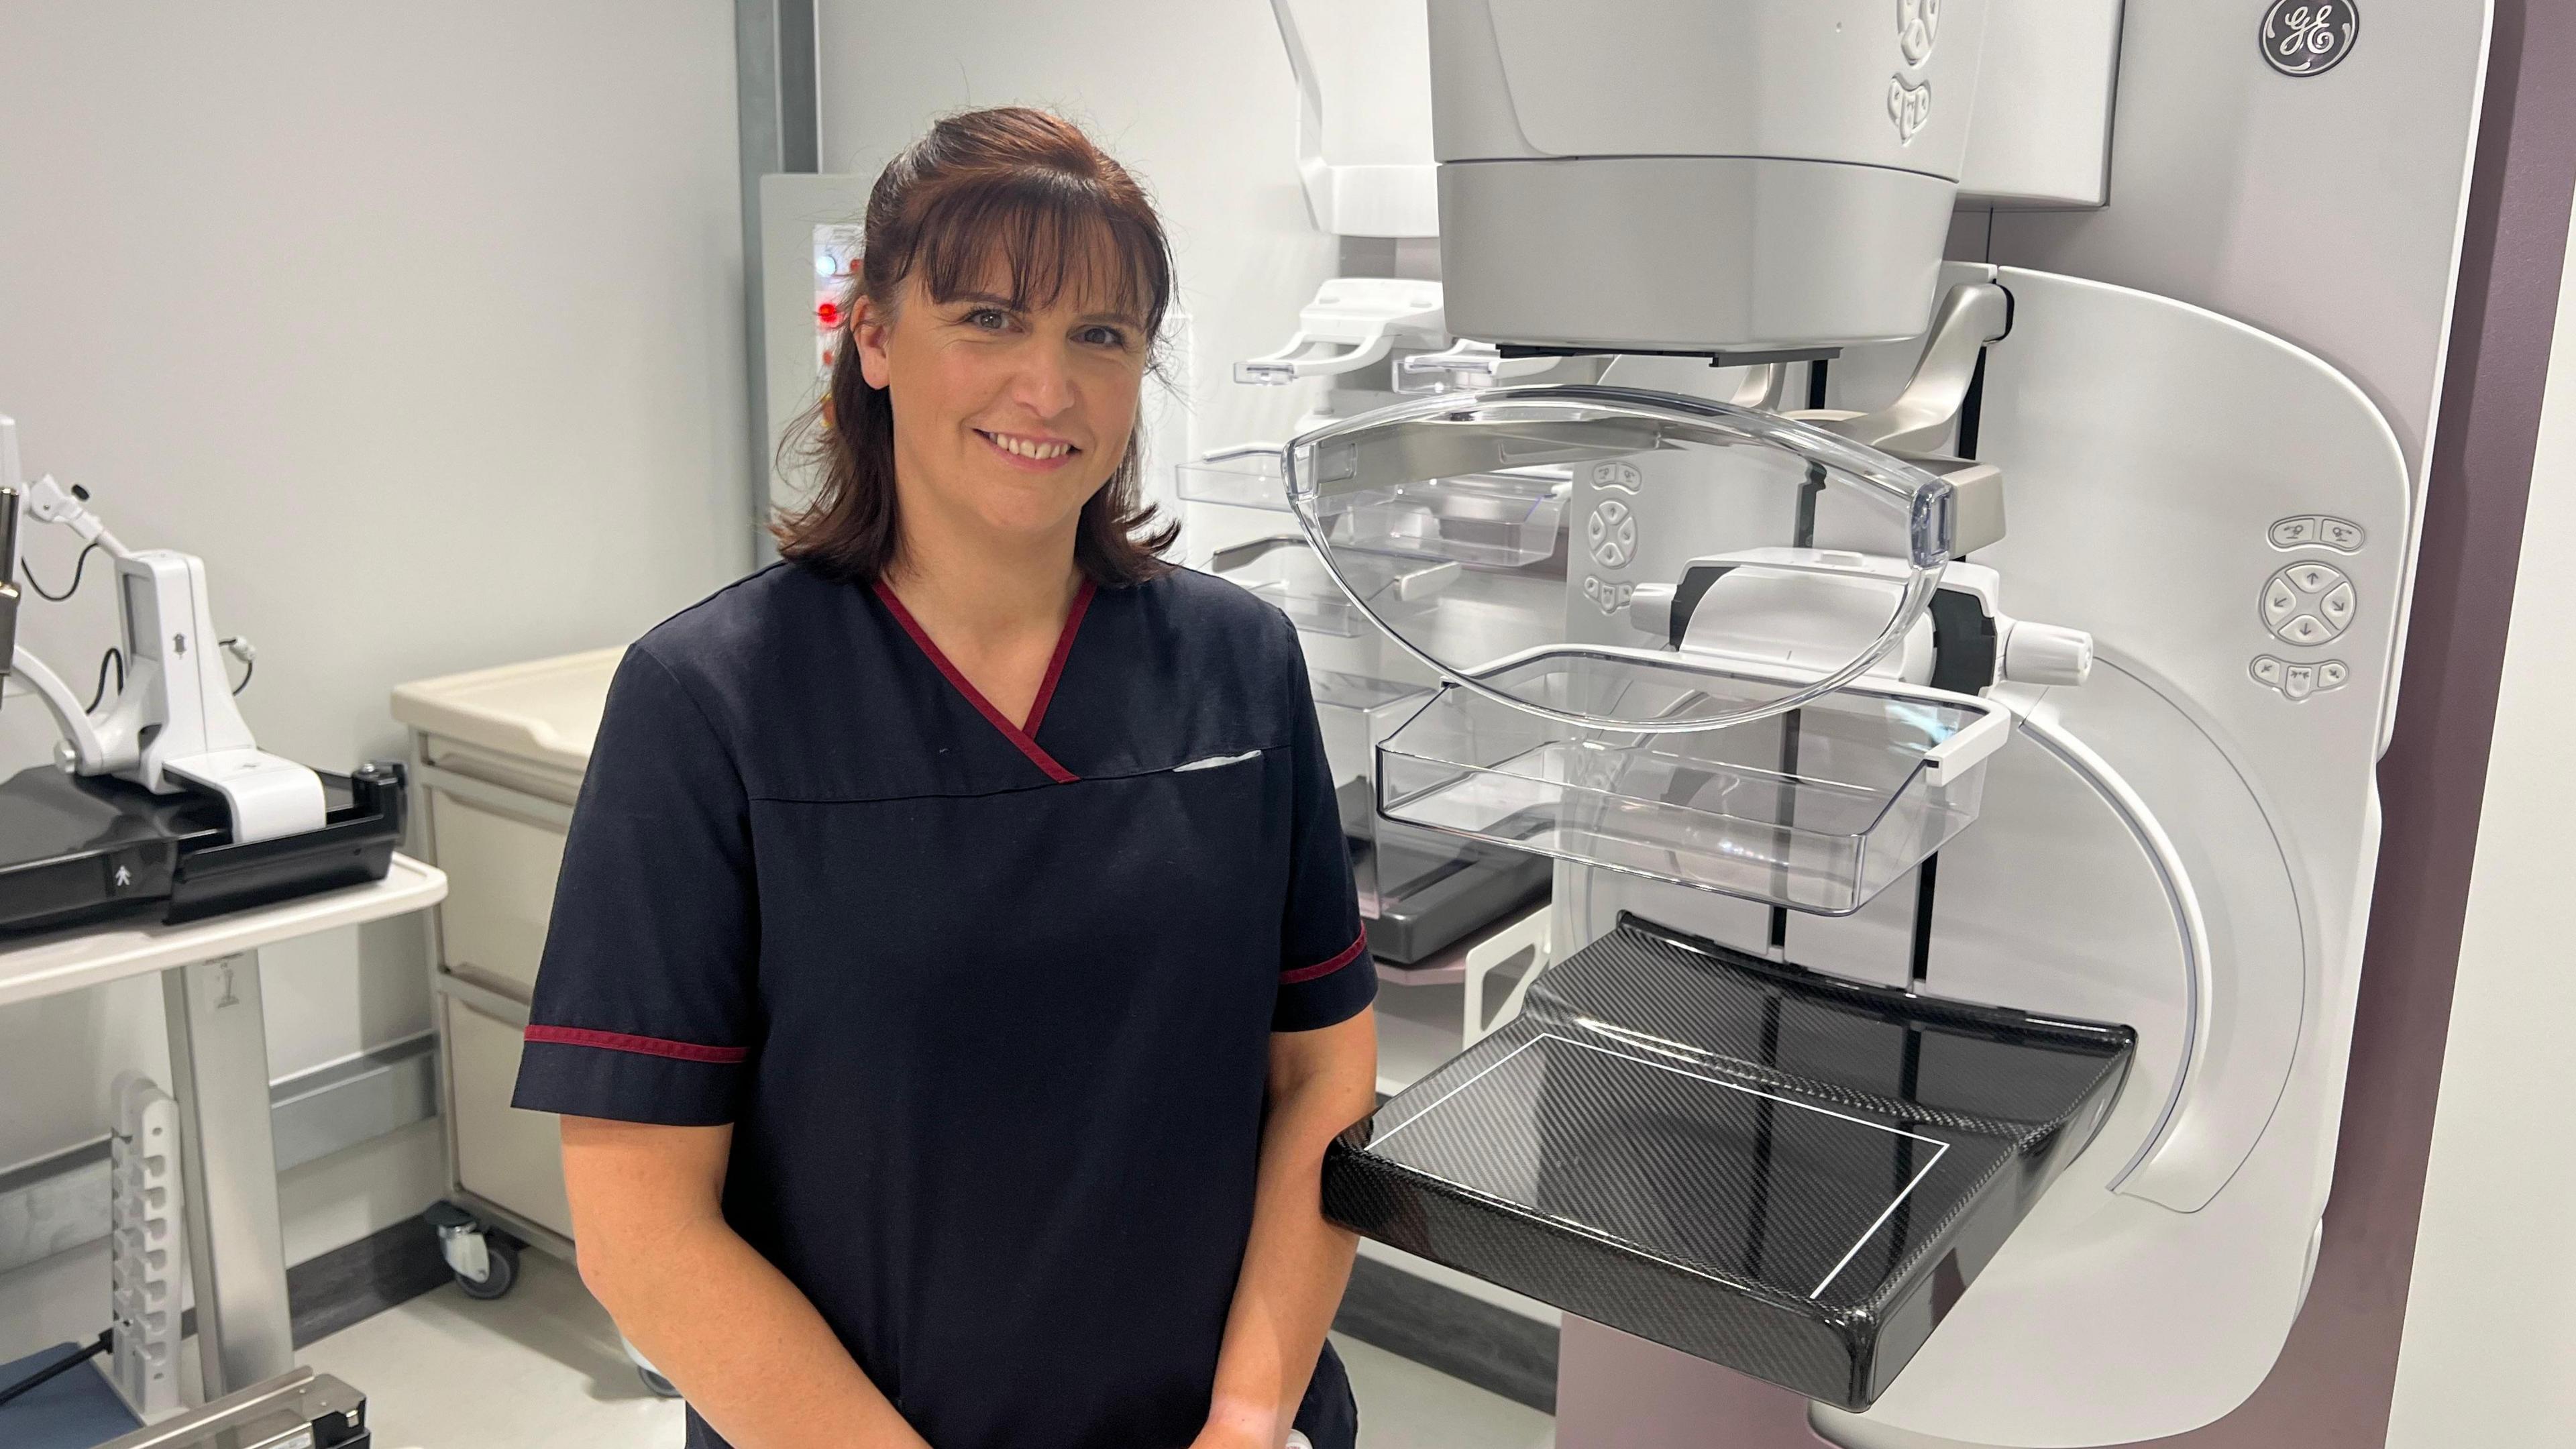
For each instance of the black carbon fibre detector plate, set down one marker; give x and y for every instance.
(1790, 1175)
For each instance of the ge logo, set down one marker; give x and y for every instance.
(2309, 37)
(1609, 596)
(1612, 533)
(1918, 25)
(1622, 476)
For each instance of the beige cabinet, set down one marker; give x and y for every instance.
(498, 757)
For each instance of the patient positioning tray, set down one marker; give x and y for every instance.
(1791, 1175)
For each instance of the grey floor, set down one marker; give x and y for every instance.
(542, 1367)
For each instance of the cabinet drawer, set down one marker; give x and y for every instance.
(500, 889)
(514, 1158)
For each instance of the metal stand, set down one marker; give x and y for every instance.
(209, 974)
(236, 1253)
(298, 1409)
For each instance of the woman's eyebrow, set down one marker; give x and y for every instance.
(988, 299)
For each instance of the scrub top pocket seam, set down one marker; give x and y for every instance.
(1226, 757)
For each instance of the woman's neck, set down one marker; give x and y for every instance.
(980, 592)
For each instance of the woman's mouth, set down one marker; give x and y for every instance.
(1028, 452)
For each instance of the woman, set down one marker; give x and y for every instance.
(955, 974)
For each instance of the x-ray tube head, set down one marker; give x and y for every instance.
(1765, 177)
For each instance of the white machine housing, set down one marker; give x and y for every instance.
(1772, 176)
(2217, 521)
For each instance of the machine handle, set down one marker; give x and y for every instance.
(8, 575)
(1968, 748)
(1294, 361)
(11, 493)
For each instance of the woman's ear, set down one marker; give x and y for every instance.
(868, 327)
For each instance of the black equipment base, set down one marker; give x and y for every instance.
(1785, 1173)
(80, 851)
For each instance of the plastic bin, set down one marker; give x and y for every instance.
(1818, 809)
(1420, 891)
(1285, 572)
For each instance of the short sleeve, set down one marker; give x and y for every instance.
(1326, 975)
(645, 1009)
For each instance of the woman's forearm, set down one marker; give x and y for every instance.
(1296, 1264)
(741, 1342)
(744, 1346)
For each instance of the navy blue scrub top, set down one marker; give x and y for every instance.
(989, 1007)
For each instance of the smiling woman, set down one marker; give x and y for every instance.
(1029, 249)
(955, 974)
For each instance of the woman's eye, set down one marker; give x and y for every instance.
(1104, 337)
(990, 319)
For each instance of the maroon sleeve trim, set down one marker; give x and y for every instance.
(1346, 956)
(650, 1046)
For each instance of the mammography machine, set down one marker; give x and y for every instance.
(160, 803)
(1942, 638)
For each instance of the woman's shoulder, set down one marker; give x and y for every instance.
(1216, 611)
(1216, 625)
(723, 645)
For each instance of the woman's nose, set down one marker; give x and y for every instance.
(1045, 382)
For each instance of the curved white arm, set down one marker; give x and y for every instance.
(87, 750)
(51, 502)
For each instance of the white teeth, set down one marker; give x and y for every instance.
(1027, 449)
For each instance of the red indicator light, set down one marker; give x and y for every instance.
(828, 313)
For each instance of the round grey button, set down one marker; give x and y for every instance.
(1612, 532)
(2308, 603)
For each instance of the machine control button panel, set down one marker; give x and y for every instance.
(2340, 534)
(2296, 682)
(1612, 533)
(2308, 603)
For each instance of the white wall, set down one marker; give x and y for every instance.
(422, 325)
(2489, 1355)
(1195, 96)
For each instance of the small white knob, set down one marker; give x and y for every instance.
(1650, 610)
(2046, 654)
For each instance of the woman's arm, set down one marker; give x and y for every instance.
(1296, 1265)
(742, 1344)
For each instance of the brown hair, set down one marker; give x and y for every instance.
(1032, 190)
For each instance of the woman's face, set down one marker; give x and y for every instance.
(1005, 419)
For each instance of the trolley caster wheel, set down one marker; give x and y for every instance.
(485, 1263)
(500, 1270)
(661, 1387)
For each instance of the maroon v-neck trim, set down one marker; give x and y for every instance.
(1055, 666)
(1024, 736)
